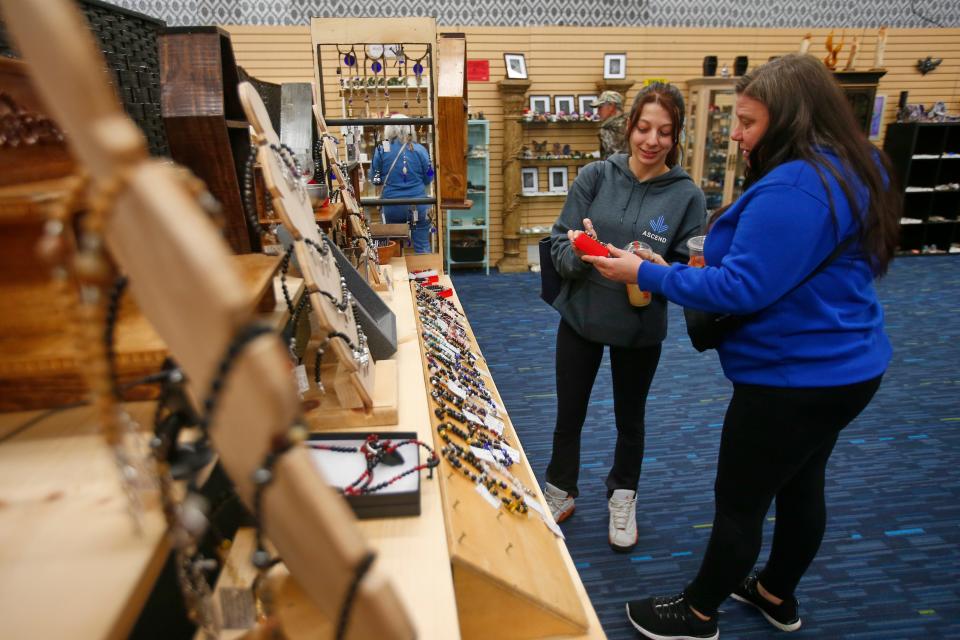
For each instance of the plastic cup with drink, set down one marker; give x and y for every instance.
(695, 246)
(637, 296)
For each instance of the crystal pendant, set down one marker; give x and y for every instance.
(418, 68)
(376, 66)
(349, 59)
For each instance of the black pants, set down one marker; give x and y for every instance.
(775, 444)
(578, 361)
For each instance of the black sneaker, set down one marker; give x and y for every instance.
(670, 619)
(783, 616)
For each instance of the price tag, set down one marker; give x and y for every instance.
(483, 454)
(486, 495)
(494, 425)
(303, 383)
(513, 453)
(534, 504)
(548, 520)
(472, 417)
(456, 390)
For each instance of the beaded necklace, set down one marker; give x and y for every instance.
(376, 452)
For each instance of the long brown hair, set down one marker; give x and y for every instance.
(808, 112)
(668, 97)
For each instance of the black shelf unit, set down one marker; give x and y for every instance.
(926, 162)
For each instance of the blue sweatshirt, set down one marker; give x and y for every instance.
(398, 184)
(827, 332)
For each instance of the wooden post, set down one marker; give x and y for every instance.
(513, 94)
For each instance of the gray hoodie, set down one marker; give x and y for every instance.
(663, 212)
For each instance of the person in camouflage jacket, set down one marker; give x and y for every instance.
(609, 107)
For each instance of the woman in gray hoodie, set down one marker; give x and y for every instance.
(643, 196)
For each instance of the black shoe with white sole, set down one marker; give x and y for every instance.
(783, 616)
(670, 619)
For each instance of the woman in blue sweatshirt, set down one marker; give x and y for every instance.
(645, 196)
(811, 354)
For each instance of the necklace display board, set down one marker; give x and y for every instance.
(333, 307)
(511, 571)
(181, 277)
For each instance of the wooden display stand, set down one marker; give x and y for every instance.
(511, 573)
(181, 277)
(421, 32)
(353, 380)
(452, 119)
(205, 126)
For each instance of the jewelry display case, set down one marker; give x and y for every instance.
(468, 230)
(710, 157)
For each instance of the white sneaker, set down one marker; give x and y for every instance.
(560, 502)
(623, 520)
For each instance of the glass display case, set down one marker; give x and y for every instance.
(468, 230)
(710, 157)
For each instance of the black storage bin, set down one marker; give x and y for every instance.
(469, 250)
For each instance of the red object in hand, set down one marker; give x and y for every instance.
(589, 246)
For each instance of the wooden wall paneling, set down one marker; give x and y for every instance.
(568, 60)
(206, 130)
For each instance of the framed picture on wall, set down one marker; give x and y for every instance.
(558, 179)
(564, 104)
(614, 66)
(539, 104)
(879, 104)
(529, 180)
(516, 66)
(583, 105)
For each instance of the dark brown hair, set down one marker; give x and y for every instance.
(808, 112)
(668, 97)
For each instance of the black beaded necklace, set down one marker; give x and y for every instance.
(376, 452)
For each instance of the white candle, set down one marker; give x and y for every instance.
(881, 45)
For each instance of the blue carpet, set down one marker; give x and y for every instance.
(889, 566)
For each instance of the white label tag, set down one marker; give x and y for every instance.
(486, 495)
(450, 349)
(483, 454)
(456, 390)
(513, 453)
(303, 383)
(443, 325)
(534, 504)
(472, 417)
(494, 425)
(386, 146)
(548, 520)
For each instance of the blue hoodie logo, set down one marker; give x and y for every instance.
(658, 225)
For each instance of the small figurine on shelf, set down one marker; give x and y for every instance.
(566, 150)
(834, 51)
(525, 153)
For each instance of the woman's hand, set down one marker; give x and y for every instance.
(621, 266)
(656, 258)
(588, 228)
(572, 237)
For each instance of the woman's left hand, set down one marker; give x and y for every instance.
(621, 266)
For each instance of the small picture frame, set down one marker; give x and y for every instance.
(529, 180)
(614, 66)
(583, 105)
(876, 118)
(516, 66)
(558, 179)
(539, 104)
(564, 104)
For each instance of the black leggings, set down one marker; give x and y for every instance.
(578, 361)
(775, 444)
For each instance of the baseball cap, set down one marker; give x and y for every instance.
(608, 96)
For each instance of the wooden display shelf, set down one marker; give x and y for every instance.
(511, 573)
(411, 550)
(39, 365)
(555, 162)
(575, 123)
(71, 565)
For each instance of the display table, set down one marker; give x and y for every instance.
(414, 551)
(71, 563)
